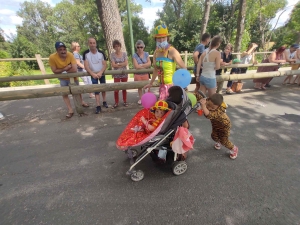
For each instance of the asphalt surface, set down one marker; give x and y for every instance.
(68, 171)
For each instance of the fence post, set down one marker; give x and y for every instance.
(41, 66)
(185, 57)
(76, 98)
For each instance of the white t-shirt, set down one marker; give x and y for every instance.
(290, 55)
(95, 60)
(246, 59)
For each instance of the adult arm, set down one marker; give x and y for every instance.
(57, 70)
(195, 57)
(70, 68)
(104, 65)
(177, 58)
(217, 60)
(155, 72)
(254, 61)
(136, 65)
(249, 51)
(79, 63)
(199, 64)
(118, 65)
(87, 68)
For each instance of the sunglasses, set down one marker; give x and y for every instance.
(139, 47)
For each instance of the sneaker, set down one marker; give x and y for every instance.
(267, 85)
(218, 146)
(139, 102)
(234, 152)
(98, 109)
(105, 105)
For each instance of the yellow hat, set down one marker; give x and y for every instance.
(161, 31)
(160, 105)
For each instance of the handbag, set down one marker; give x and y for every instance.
(237, 86)
(143, 63)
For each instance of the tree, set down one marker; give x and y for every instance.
(36, 25)
(185, 29)
(293, 25)
(139, 30)
(222, 20)
(205, 17)
(111, 23)
(78, 21)
(240, 25)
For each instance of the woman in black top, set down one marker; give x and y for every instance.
(226, 60)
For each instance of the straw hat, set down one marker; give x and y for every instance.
(161, 105)
(161, 31)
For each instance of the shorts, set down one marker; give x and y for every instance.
(95, 81)
(64, 83)
(208, 82)
(141, 77)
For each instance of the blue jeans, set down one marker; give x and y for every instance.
(101, 81)
(64, 83)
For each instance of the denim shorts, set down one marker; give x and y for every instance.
(95, 81)
(208, 82)
(64, 83)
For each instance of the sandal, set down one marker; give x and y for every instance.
(85, 105)
(69, 115)
(115, 106)
(125, 104)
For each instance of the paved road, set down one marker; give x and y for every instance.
(57, 171)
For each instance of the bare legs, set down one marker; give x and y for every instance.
(68, 103)
(210, 91)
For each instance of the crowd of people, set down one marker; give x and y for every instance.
(166, 59)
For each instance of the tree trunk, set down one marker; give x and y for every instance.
(240, 26)
(111, 23)
(205, 17)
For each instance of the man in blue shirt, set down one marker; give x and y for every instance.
(205, 39)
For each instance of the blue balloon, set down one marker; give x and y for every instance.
(182, 78)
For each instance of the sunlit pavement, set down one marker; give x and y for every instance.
(67, 171)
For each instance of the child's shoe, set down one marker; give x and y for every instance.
(218, 146)
(234, 152)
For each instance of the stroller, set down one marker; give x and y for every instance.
(161, 137)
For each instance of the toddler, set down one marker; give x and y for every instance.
(214, 110)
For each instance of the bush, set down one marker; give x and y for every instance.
(5, 71)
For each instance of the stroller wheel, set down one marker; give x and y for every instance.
(137, 175)
(179, 167)
(134, 153)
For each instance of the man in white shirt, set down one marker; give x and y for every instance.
(290, 57)
(95, 64)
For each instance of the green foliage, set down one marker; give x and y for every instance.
(21, 47)
(3, 54)
(290, 33)
(37, 26)
(5, 71)
(182, 19)
(139, 31)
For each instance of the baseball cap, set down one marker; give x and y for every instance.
(59, 44)
(294, 46)
(236, 61)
